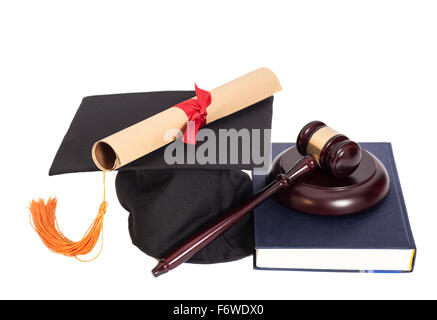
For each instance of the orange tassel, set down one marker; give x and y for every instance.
(43, 221)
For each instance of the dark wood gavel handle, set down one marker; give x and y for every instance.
(206, 236)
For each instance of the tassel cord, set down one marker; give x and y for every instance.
(43, 221)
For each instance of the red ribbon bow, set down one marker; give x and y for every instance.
(195, 109)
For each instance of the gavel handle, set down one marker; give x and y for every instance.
(206, 236)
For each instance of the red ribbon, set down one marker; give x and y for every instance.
(195, 109)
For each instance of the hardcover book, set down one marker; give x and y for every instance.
(376, 240)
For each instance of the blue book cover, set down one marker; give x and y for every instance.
(376, 240)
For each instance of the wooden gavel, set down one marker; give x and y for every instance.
(320, 146)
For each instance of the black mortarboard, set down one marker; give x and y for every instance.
(167, 203)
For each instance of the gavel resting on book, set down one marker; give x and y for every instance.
(350, 180)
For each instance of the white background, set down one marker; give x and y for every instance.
(367, 68)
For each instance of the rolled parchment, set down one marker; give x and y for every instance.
(148, 135)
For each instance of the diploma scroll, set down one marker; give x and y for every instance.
(148, 135)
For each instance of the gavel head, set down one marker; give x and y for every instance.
(334, 152)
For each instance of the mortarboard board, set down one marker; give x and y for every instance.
(103, 115)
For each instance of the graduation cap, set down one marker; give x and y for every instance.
(167, 201)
